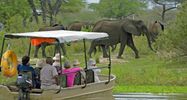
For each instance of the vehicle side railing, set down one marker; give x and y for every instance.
(83, 77)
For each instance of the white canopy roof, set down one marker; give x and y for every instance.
(61, 35)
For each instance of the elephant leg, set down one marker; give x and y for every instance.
(123, 43)
(113, 47)
(104, 48)
(92, 48)
(36, 51)
(63, 48)
(43, 46)
(95, 50)
(130, 43)
(56, 50)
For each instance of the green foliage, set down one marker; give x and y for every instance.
(87, 28)
(72, 6)
(173, 41)
(149, 70)
(118, 8)
(11, 8)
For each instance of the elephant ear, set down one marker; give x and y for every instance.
(130, 28)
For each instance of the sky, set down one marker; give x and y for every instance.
(92, 1)
(150, 5)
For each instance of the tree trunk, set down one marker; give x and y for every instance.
(24, 21)
(31, 3)
(50, 12)
(43, 8)
(163, 13)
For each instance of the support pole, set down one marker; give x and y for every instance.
(2, 47)
(29, 51)
(85, 56)
(109, 65)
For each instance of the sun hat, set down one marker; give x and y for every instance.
(91, 62)
(76, 62)
(40, 63)
(57, 56)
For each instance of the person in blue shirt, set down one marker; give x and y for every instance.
(25, 66)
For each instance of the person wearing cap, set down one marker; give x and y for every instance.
(70, 73)
(48, 75)
(56, 62)
(76, 63)
(92, 64)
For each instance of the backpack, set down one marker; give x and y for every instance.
(24, 80)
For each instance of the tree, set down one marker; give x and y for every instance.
(13, 8)
(51, 8)
(167, 5)
(118, 8)
(173, 42)
(32, 5)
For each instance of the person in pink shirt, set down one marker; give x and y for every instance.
(70, 72)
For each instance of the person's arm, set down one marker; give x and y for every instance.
(55, 75)
(76, 69)
(56, 79)
(97, 70)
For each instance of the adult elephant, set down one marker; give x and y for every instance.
(155, 28)
(77, 26)
(119, 31)
(43, 42)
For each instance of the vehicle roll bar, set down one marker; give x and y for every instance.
(2, 47)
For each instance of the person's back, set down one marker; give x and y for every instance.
(70, 73)
(25, 66)
(48, 75)
(91, 65)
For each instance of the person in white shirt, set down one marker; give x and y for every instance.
(48, 75)
(92, 64)
(56, 62)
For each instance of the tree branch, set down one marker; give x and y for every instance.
(156, 1)
(170, 8)
(31, 3)
(57, 6)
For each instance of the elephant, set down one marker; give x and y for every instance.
(155, 28)
(77, 26)
(119, 31)
(42, 42)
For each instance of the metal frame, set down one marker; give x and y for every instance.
(2, 47)
(84, 42)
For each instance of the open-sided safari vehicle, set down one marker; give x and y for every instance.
(87, 87)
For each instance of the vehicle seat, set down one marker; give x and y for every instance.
(27, 75)
(90, 76)
(63, 80)
(77, 79)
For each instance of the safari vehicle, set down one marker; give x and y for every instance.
(96, 89)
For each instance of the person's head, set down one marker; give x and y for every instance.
(56, 57)
(40, 63)
(25, 60)
(49, 60)
(76, 62)
(67, 65)
(91, 62)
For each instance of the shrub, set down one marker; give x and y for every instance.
(173, 41)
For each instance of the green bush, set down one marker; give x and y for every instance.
(173, 41)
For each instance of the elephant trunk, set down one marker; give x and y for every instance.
(149, 40)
